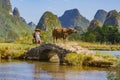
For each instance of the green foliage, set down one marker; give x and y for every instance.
(78, 59)
(106, 34)
(24, 39)
(111, 76)
(47, 23)
(118, 70)
(88, 58)
(74, 59)
(115, 75)
(106, 57)
(46, 37)
(99, 46)
(14, 50)
(96, 60)
(74, 37)
(5, 5)
(17, 53)
(88, 37)
(103, 55)
(109, 34)
(11, 27)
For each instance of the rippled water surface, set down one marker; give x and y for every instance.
(35, 70)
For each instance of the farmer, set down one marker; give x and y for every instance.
(37, 36)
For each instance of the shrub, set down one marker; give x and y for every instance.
(78, 59)
(5, 53)
(96, 60)
(87, 59)
(74, 59)
(18, 53)
(14, 50)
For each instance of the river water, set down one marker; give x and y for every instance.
(114, 53)
(36, 70)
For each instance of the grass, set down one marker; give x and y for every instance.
(14, 50)
(96, 60)
(115, 75)
(74, 59)
(96, 46)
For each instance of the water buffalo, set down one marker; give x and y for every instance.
(62, 33)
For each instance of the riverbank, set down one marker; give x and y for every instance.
(94, 60)
(17, 51)
(96, 46)
(14, 50)
(71, 54)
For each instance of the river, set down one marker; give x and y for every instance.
(114, 53)
(36, 70)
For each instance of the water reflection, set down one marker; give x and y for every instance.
(35, 70)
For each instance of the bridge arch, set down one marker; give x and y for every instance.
(49, 55)
(46, 51)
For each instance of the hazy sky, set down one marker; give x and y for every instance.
(32, 10)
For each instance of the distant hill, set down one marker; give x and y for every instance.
(17, 14)
(100, 15)
(113, 19)
(72, 18)
(101, 19)
(32, 25)
(94, 24)
(11, 27)
(48, 22)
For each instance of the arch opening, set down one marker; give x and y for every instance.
(49, 55)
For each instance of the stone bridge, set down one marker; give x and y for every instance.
(48, 50)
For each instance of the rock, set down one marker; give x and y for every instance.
(16, 12)
(23, 20)
(100, 15)
(75, 48)
(52, 52)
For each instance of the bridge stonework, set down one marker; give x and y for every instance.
(46, 51)
(42, 52)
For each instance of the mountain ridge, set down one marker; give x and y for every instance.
(73, 19)
(100, 15)
(48, 20)
(11, 27)
(113, 19)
